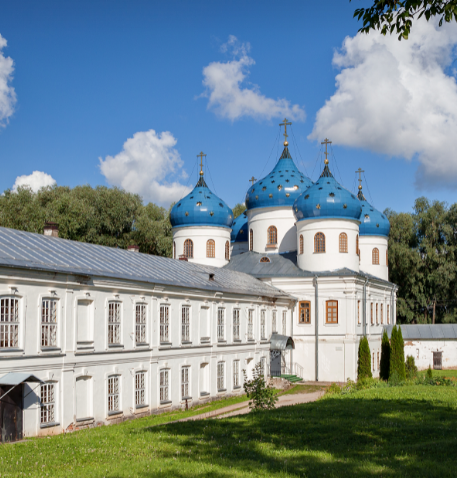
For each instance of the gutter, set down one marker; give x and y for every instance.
(316, 327)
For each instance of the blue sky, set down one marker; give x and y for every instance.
(89, 76)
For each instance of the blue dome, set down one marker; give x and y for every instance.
(373, 222)
(240, 229)
(281, 187)
(201, 208)
(327, 199)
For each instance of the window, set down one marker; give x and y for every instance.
(251, 240)
(272, 236)
(343, 242)
(185, 383)
(377, 317)
(357, 250)
(388, 314)
(49, 323)
(188, 249)
(319, 242)
(236, 374)
(48, 403)
(358, 312)
(377, 360)
(140, 389)
(85, 322)
(373, 362)
(174, 250)
(331, 312)
(382, 314)
(220, 376)
(236, 324)
(284, 322)
(9, 323)
(140, 323)
(220, 323)
(387, 259)
(375, 256)
(372, 316)
(114, 323)
(265, 259)
(113, 394)
(263, 332)
(301, 243)
(263, 363)
(164, 389)
(273, 322)
(210, 248)
(227, 251)
(304, 313)
(250, 324)
(185, 324)
(164, 323)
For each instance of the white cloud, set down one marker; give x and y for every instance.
(36, 181)
(397, 98)
(144, 165)
(227, 97)
(7, 93)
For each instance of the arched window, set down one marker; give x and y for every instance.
(188, 249)
(301, 243)
(387, 259)
(343, 242)
(251, 240)
(272, 236)
(375, 255)
(357, 251)
(210, 248)
(174, 250)
(319, 242)
(227, 251)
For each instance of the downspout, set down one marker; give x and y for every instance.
(316, 326)
(364, 316)
(292, 335)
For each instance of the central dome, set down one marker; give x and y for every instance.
(279, 188)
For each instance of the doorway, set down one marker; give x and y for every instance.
(11, 406)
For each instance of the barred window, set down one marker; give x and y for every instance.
(210, 248)
(164, 388)
(301, 243)
(188, 249)
(305, 312)
(357, 250)
(284, 322)
(388, 314)
(164, 322)
(220, 323)
(319, 242)
(263, 331)
(251, 240)
(358, 311)
(373, 362)
(140, 389)
(236, 374)
(382, 314)
(220, 376)
(274, 328)
(48, 403)
(272, 236)
(113, 394)
(9, 322)
(140, 323)
(185, 323)
(227, 251)
(331, 311)
(375, 256)
(250, 324)
(371, 313)
(49, 323)
(387, 258)
(377, 360)
(377, 318)
(185, 383)
(236, 324)
(114, 323)
(343, 242)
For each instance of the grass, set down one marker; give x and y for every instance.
(304, 389)
(451, 374)
(408, 431)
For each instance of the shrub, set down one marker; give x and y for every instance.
(429, 374)
(397, 355)
(334, 389)
(364, 360)
(263, 396)
(410, 366)
(385, 357)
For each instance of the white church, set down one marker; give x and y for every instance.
(94, 335)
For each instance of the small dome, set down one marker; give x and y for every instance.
(240, 228)
(279, 188)
(327, 199)
(373, 222)
(201, 208)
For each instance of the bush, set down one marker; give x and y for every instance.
(334, 389)
(263, 396)
(410, 367)
(385, 357)
(397, 355)
(429, 374)
(364, 360)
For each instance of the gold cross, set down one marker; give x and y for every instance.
(253, 180)
(326, 142)
(285, 124)
(201, 161)
(360, 171)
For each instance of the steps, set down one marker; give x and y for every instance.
(292, 378)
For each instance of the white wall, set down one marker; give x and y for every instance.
(331, 259)
(367, 244)
(200, 235)
(422, 351)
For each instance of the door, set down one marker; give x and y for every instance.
(11, 413)
(275, 363)
(437, 360)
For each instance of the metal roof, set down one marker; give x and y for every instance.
(281, 342)
(15, 378)
(372, 222)
(426, 331)
(20, 249)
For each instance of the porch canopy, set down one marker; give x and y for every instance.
(281, 342)
(16, 378)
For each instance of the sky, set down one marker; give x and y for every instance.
(127, 94)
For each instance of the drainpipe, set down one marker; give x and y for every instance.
(292, 335)
(316, 326)
(364, 317)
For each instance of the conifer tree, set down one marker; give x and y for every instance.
(397, 355)
(401, 355)
(364, 361)
(393, 351)
(385, 357)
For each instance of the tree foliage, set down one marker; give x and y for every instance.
(364, 360)
(385, 357)
(262, 396)
(410, 366)
(397, 355)
(389, 16)
(238, 209)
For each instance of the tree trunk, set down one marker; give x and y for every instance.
(434, 307)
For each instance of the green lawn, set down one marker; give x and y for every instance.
(383, 432)
(441, 373)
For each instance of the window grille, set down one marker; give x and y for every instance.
(375, 256)
(220, 323)
(174, 250)
(164, 390)
(371, 313)
(273, 322)
(377, 360)
(113, 394)
(331, 311)
(250, 324)
(343, 242)
(114, 323)
(377, 317)
(263, 332)
(305, 312)
(221, 375)
(9, 322)
(388, 314)
(227, 251)
(358, 311)
(319, 242)
(210, 248)
(164, 323)
(49, 323)
(265, 259)
(357, 250)
(236, 324)
(236, 373)
(251, 240)
(284, 322)
(382, 314)
(188, 249)
(140, 323)
(262, 366)
(373, 362)
(140, 390)
(185, 324)
(301, 243)
(48, 403)
(185, 382)
(272, 236)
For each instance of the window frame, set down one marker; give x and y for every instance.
(10, 328)
(221, 324)
(188, 249)
(49, 323)
(319, 243)
(284, 322)
(114, 323)
(301, 243)
(272, 236)
(236, 374)
(304, 305)
(357, 249)
(174, 249)
(48, 408)
(185, 324)
(185, 382)
(113, 394)
(220, 378)
(388, 314)
(375, 256)
(359, 320)
(141, 388)
(141, 325)
(210, 249)
(164, 386)
(343, 243)
(329, 306)
(164, 323)
(274, 318)
(263, 324)
(250, 324)
(377, 315)
(371, 313)
(251, 240)
(236, 324)
(227, 251)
